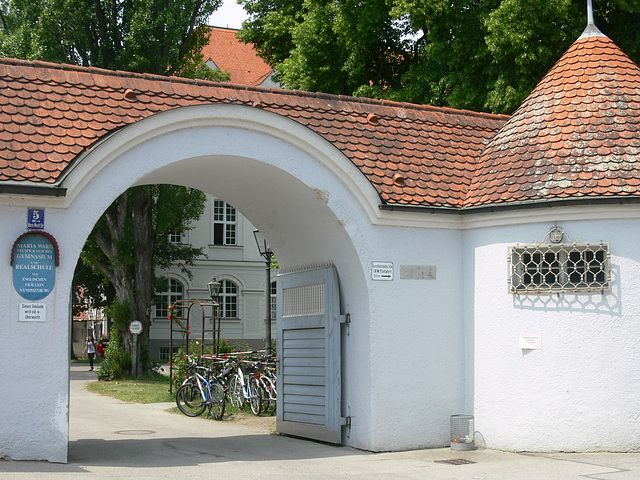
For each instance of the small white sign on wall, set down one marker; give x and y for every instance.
(382, 270)
(531, 341)
(33, 312)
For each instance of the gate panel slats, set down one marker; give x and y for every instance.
(302, 343)
(311, 390)
(305, 333)
(303, 418)
(306, 399)
(303, 380)
(306, 371)
(303, 353)
(293, 408)
(303, 362)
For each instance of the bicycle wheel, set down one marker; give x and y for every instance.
(255, 398)
(235, 392)
(217, 402)
(264, 396)
(189, 400)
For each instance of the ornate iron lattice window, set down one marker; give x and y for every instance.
(559, 267)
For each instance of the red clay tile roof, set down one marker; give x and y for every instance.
(412, 154)
(576, 135)
(239, 59)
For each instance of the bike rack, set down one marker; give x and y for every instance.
(174, 327)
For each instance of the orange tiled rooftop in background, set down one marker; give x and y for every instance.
(240, 60)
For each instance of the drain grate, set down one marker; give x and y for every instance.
(455, 461)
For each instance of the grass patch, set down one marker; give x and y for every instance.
(155, 390)
(145, 390)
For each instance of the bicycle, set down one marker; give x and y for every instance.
(200, 391)
(244, 389)
(266, 378)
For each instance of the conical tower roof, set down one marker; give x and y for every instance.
(576, 135)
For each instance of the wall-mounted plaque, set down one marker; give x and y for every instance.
(34, 258)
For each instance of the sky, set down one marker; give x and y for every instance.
(229, 15)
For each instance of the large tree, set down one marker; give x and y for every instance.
(151, 36)
(163, 37)
(475, 54)
(131, 241)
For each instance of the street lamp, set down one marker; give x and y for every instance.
(266, 252)
(214, 289)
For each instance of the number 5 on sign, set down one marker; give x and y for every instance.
(35, 219)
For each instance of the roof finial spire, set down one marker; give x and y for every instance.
(590, 12)
(591, 30)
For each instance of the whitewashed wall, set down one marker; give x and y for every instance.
(581, 390)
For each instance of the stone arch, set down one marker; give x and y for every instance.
(297, 188)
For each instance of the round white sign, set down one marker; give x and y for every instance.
(135, 327)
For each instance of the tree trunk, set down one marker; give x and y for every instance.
(143, 238)
(129, 266)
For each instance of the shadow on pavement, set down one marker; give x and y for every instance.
(186, 451)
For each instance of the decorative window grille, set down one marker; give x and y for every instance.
(559, 267)
(224, 223)
(228, 299)
(173, 294)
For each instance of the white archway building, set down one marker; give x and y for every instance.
(364, 185)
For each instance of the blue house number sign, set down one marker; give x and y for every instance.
(34, 259)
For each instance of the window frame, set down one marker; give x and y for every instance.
(224, 217)
(168, 298)
(228, 300)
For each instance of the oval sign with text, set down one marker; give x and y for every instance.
(34, 260)
(135, 327)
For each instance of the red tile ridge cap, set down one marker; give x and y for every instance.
(234, 86)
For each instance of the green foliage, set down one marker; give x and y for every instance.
(327, 46)
(153, 36)
(117, 361)
(480, 55)
(202, 71)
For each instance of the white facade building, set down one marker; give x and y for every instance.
(232, 257)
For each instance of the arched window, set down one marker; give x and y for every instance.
(174, 293)
(228, 299)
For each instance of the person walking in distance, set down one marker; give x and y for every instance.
(90, 348)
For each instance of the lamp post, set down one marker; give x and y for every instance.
(214, 291)
(266, 252)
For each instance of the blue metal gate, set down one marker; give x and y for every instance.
(308, 348)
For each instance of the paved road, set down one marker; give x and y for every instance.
(112, 439)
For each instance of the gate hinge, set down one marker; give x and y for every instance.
(345, 421)
(345, 318)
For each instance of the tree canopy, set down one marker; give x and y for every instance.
(151, 36)
(482, 55)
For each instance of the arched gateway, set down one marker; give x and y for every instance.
(427, 217)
